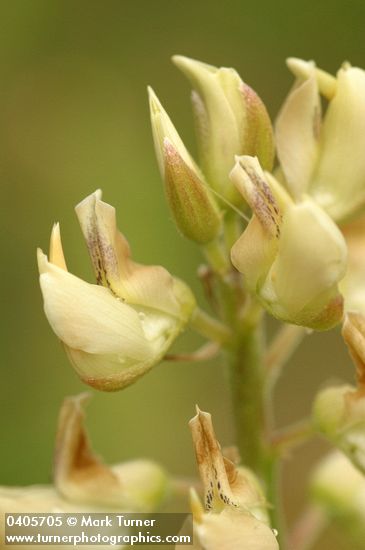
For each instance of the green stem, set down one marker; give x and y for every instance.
(247, 388)
(253, 418)
(292, 436)
(250, 387)
(204, 353)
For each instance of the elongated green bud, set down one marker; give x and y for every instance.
(230, 119)
(190, 200)
(193, 208)
(339, 415)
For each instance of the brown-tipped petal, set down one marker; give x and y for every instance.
(79, 475)
(249, 179)
(117, 330)
(162, 127)
(136, 284)
(108, 249)
(210, 462)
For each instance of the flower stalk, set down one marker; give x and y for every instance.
(246, 371)
(210, 327)
(281, 348)
(251, 405)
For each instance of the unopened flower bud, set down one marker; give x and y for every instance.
(163, 128)
(339, 415)
(339, 412)
(326, 159)
(339, 489)
(117, 330)
(195, 212)
(292, 255)
(230, 119)
(190, 200)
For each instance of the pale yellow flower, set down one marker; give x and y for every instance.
(81, 477)
(235, 513)
(325, 158)
(83, 483)
(117, 330)
(292, 255)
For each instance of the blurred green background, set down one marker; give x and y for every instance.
(74, 117)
